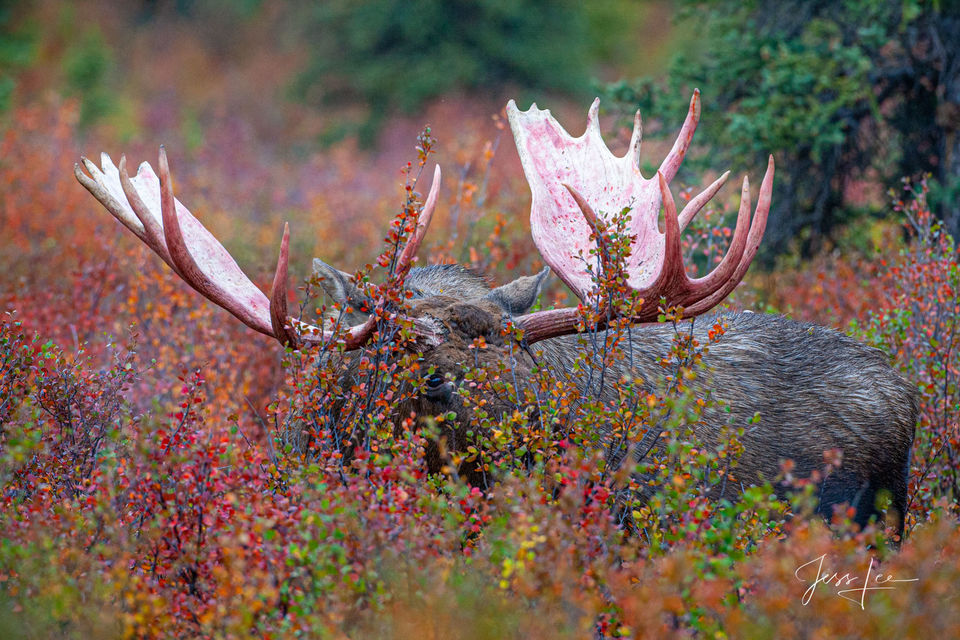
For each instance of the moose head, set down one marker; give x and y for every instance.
(814, 389)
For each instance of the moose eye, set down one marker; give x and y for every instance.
(437, 389)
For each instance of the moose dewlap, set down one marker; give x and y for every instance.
(814, 389)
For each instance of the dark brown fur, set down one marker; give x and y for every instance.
(814, 389)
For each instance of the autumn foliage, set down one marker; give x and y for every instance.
(167, 473)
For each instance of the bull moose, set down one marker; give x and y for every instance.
(814, 389)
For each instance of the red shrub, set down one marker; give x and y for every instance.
(173, 481)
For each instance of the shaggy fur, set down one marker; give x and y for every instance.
(814, 389)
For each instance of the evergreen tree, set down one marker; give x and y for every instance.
(838, 90)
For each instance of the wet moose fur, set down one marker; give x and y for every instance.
(814, 389)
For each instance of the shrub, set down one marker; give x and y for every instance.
(918, 323)
(150, 486)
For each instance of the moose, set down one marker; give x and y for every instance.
(799, 389)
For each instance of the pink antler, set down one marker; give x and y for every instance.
(571, 179)
(146, 206)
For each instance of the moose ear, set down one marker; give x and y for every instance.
(518, 296)
(335, 283)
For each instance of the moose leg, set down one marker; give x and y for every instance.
(897, 482)
(846, 487)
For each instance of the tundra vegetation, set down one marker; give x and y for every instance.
(801, 390)
(168, 472)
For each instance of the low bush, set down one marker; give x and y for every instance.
(165, 477)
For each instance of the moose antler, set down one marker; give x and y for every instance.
(146, 206)
(572, 178)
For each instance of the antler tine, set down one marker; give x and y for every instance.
(184, 264)
(594, 221)
(672, 282)
(153, 231)
(636, 138)
(283, 324)
(280, 323)
(360, 335)
(278, 293)
(672, 271)
(757, 227)
(696, 203)
(672, 278)
(423, 222)
(673, 160)
(552, 323)
(99, 191)
(588, 213)
(700, 288)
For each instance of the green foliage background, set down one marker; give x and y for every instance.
(394, 55)
(839, 92)
(16, 51)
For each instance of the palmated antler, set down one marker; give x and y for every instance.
(146, 206)
(571, 179)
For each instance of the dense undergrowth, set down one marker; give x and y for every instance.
(167, 473)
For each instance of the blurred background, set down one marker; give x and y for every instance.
(281, 110)
(311, 113)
